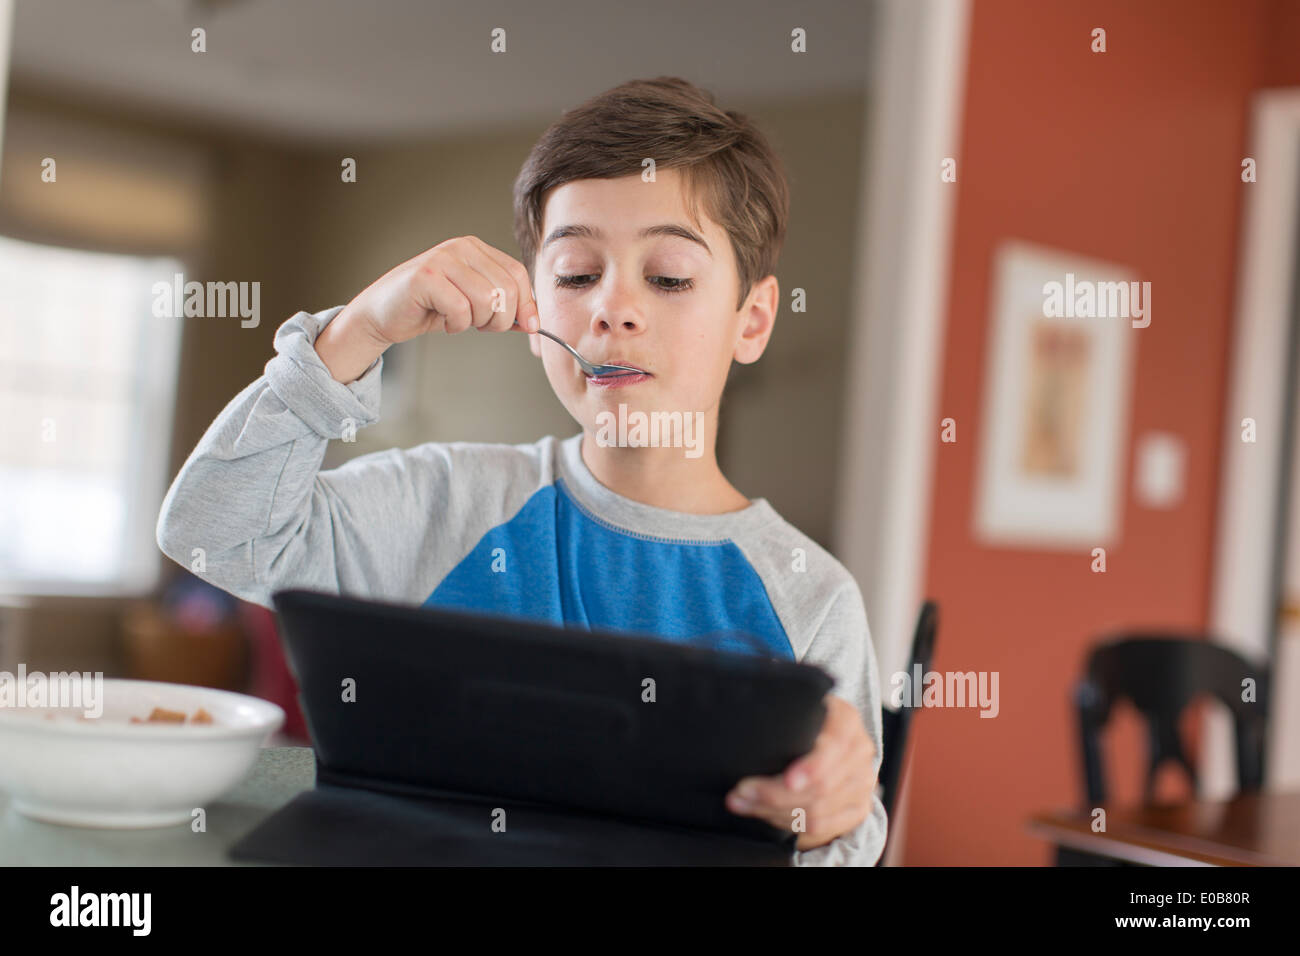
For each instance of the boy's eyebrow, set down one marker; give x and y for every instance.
(664, 229)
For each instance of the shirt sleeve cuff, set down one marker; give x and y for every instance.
(300, 379)
(861, 846)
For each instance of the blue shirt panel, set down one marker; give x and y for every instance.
(555, 562)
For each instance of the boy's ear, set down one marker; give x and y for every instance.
(758, 316)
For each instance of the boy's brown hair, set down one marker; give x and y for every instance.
(723, 157)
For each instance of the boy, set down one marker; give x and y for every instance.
(669, 273)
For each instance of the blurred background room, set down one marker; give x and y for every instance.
(1050, 486)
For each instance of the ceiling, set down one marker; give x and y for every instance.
(320, 70)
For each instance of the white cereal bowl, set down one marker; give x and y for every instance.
(108, 772)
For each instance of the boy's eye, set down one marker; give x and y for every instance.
(580, 281)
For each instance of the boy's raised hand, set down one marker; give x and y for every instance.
(459, 284)
(832, 784)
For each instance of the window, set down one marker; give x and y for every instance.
(87, 391)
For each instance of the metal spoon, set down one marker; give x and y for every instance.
(587, 367)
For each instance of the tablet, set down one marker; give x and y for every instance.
(436, 703)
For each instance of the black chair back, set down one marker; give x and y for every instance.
(1160, 675)
(895, 723)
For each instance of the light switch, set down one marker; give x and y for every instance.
(1161, 466)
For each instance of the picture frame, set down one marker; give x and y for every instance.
(1055, 420)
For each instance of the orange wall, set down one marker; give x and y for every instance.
(1131, 156)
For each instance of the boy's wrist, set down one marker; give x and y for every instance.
(347, 347)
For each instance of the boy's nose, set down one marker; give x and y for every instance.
(618, 311)
(625, 321)
(619, 301)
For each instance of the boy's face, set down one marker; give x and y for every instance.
(663, 303)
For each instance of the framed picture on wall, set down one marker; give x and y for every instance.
(1054, 426)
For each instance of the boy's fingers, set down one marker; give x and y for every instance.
(477, 289)
(768, 790)
(757, 806)
(773, 793)
(529, 319)
(510, 264)
(503, 298)
(776, 804)
(841, 752)
(853, 765)
(526, 315)
(437, 294)
(842, 802)
(835, 761)
(771, 807)
(830, 750)
(767, 797)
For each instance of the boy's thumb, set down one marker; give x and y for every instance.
(528, 316)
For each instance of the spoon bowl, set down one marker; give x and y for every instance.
(588, 367)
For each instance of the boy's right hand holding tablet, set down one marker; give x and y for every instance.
(458, 284)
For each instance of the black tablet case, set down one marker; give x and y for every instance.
(459, 715)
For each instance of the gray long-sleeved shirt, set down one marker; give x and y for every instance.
(446, 523)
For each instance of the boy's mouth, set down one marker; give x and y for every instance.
(621, 380)
(618, 379)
